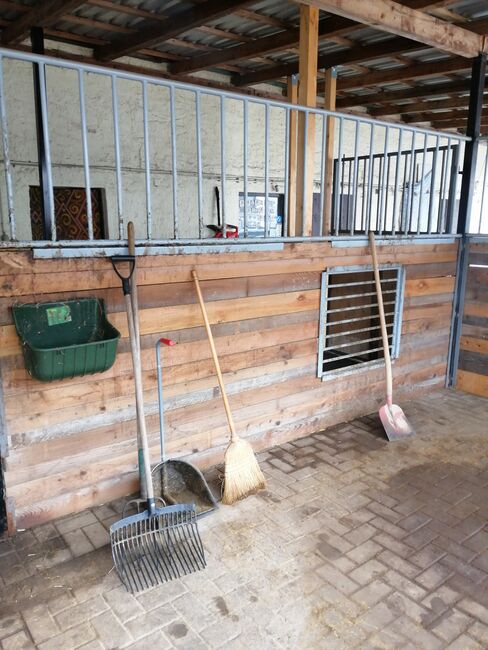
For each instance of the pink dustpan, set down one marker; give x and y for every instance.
(392, 417)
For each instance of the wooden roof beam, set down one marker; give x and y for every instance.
(42, 14)
(280, 41)
(395, 75)
(395, 18)
(392, 96)
(421, 107)
(357, 54)
(170, 28)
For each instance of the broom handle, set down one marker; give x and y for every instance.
(230, 420)
(381, 309)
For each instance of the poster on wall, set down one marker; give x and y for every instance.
(256, 212)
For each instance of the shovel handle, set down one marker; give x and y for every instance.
(126, 278)
(381, 310)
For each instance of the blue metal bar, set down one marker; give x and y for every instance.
(47, 147)
(6, 157)
(222, 166)
(174, 163)
(86, 162)
(199, 163)
(147, 161)
(118, 169)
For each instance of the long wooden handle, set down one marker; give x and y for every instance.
(144, 466)
(381, 309)
(135, 302)
(230, 419)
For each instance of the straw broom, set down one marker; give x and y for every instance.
(242, 474)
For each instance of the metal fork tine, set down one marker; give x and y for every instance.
(152, 549)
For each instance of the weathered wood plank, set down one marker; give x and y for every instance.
(473, 383)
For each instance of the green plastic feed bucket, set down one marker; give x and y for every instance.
(62, 340)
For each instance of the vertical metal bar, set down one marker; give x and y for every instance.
(266, 170)
(6, 157)
(382, 221)
(411, 183)
(245, 153)
(222, 165)
(147, 161)
(473, 129)
(386, 190)
(355, 176)
(378, 198)
(47, 166)
(47, 193)
(432, 184)
(397, 176)
(305, 174)
(322, 322)
(363, 201)
(483, 191)
(287, 172)
(453, 187)
(118, 170)
(199, 163)
(174, 162)
(441, 192)
(445, 186)
(421, 195)
(86, 160)
(370, 180)
(337, 192)
(323, 153)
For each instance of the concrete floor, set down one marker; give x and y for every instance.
(356, 543)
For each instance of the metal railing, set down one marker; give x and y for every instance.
(478, 218)
(184, 140)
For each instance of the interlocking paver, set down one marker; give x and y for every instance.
(18, 641)
(355, 544)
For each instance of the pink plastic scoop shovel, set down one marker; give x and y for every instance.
(392, 417)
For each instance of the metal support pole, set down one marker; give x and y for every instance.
(37, 42)
(467, 190)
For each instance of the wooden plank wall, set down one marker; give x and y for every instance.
(472, 374)
(71, 444)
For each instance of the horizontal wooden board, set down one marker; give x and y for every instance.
(72, 443)
(473, 383)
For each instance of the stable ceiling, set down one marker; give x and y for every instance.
(256, 43)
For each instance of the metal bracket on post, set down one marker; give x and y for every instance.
(473, 129)
(37, 42)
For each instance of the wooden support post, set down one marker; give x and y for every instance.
(292, 157)
(307, 96)
(329, 104)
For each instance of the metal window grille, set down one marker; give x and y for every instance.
(350, 334)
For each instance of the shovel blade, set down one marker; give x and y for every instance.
(395, 422)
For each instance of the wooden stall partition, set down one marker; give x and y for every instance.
(472, 375)
(71, 444)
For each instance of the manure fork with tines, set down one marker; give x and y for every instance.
(160, 543)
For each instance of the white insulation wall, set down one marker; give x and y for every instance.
(67, 155)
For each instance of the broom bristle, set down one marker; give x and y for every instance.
(242, 474)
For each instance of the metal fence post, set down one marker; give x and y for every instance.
(467, 190)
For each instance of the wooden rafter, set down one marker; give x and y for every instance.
(280, 41)
(357, 54)
(170, 28)
(399, 19)
(392, 96)
(421, 107)
(396, 75)
(42, 14)
(445, 116)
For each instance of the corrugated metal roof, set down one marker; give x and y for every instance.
(94, 21)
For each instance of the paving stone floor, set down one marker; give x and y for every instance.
(356, 543)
